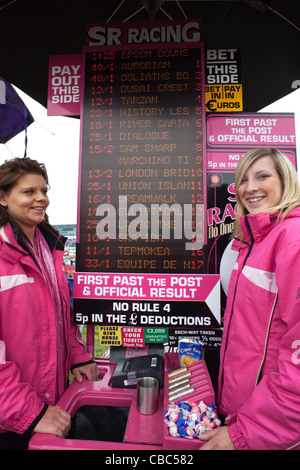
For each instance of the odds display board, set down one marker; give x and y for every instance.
(141, 232)
(142, 161)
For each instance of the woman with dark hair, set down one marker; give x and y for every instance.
(259, 378)
(38, 341)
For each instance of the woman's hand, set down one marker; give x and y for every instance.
(91, 372)
(55, 421)
(217, 439)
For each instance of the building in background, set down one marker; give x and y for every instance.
(69, 231)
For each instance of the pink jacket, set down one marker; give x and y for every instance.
(259, 380)
(28, 350)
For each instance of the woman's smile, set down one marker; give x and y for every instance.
(27, 202)
(261, 187)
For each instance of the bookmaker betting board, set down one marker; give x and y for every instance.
(142, 189)
(142, 147)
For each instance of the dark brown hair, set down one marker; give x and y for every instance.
(10, 172)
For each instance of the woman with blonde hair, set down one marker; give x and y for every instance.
(288, 176)
(259, 378)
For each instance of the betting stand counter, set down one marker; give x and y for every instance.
(106, 418)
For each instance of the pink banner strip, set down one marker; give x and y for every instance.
(171, 287)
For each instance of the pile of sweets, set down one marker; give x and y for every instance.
(189, 420)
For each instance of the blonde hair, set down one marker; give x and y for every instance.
(289, 178)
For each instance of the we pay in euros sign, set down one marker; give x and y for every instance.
(223, 91)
